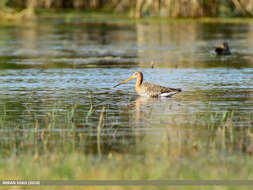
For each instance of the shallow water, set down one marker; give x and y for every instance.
(54, 71)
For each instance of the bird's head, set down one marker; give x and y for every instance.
(224, 45)
(135, 75)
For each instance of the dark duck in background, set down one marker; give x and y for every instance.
(223, 50)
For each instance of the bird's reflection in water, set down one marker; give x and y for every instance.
(146, 105)
(155, 115)
(140, 103)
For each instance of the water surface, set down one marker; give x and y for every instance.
(60, 74)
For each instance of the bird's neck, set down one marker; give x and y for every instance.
(138, 83)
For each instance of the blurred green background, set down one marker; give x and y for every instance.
(60, 118)
(142, 8)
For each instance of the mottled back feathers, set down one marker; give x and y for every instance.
(153, 90)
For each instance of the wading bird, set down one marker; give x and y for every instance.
(223, 50)
(149, 89)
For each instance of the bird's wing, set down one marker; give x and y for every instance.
(156, 90)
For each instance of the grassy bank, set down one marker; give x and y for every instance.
(110, 16)
(69, 15)
(212, 146)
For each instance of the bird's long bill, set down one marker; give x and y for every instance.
(124, 81)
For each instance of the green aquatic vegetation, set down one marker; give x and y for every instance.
(3, 118)
(197, 150)
(99, 129)
(91, 110)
